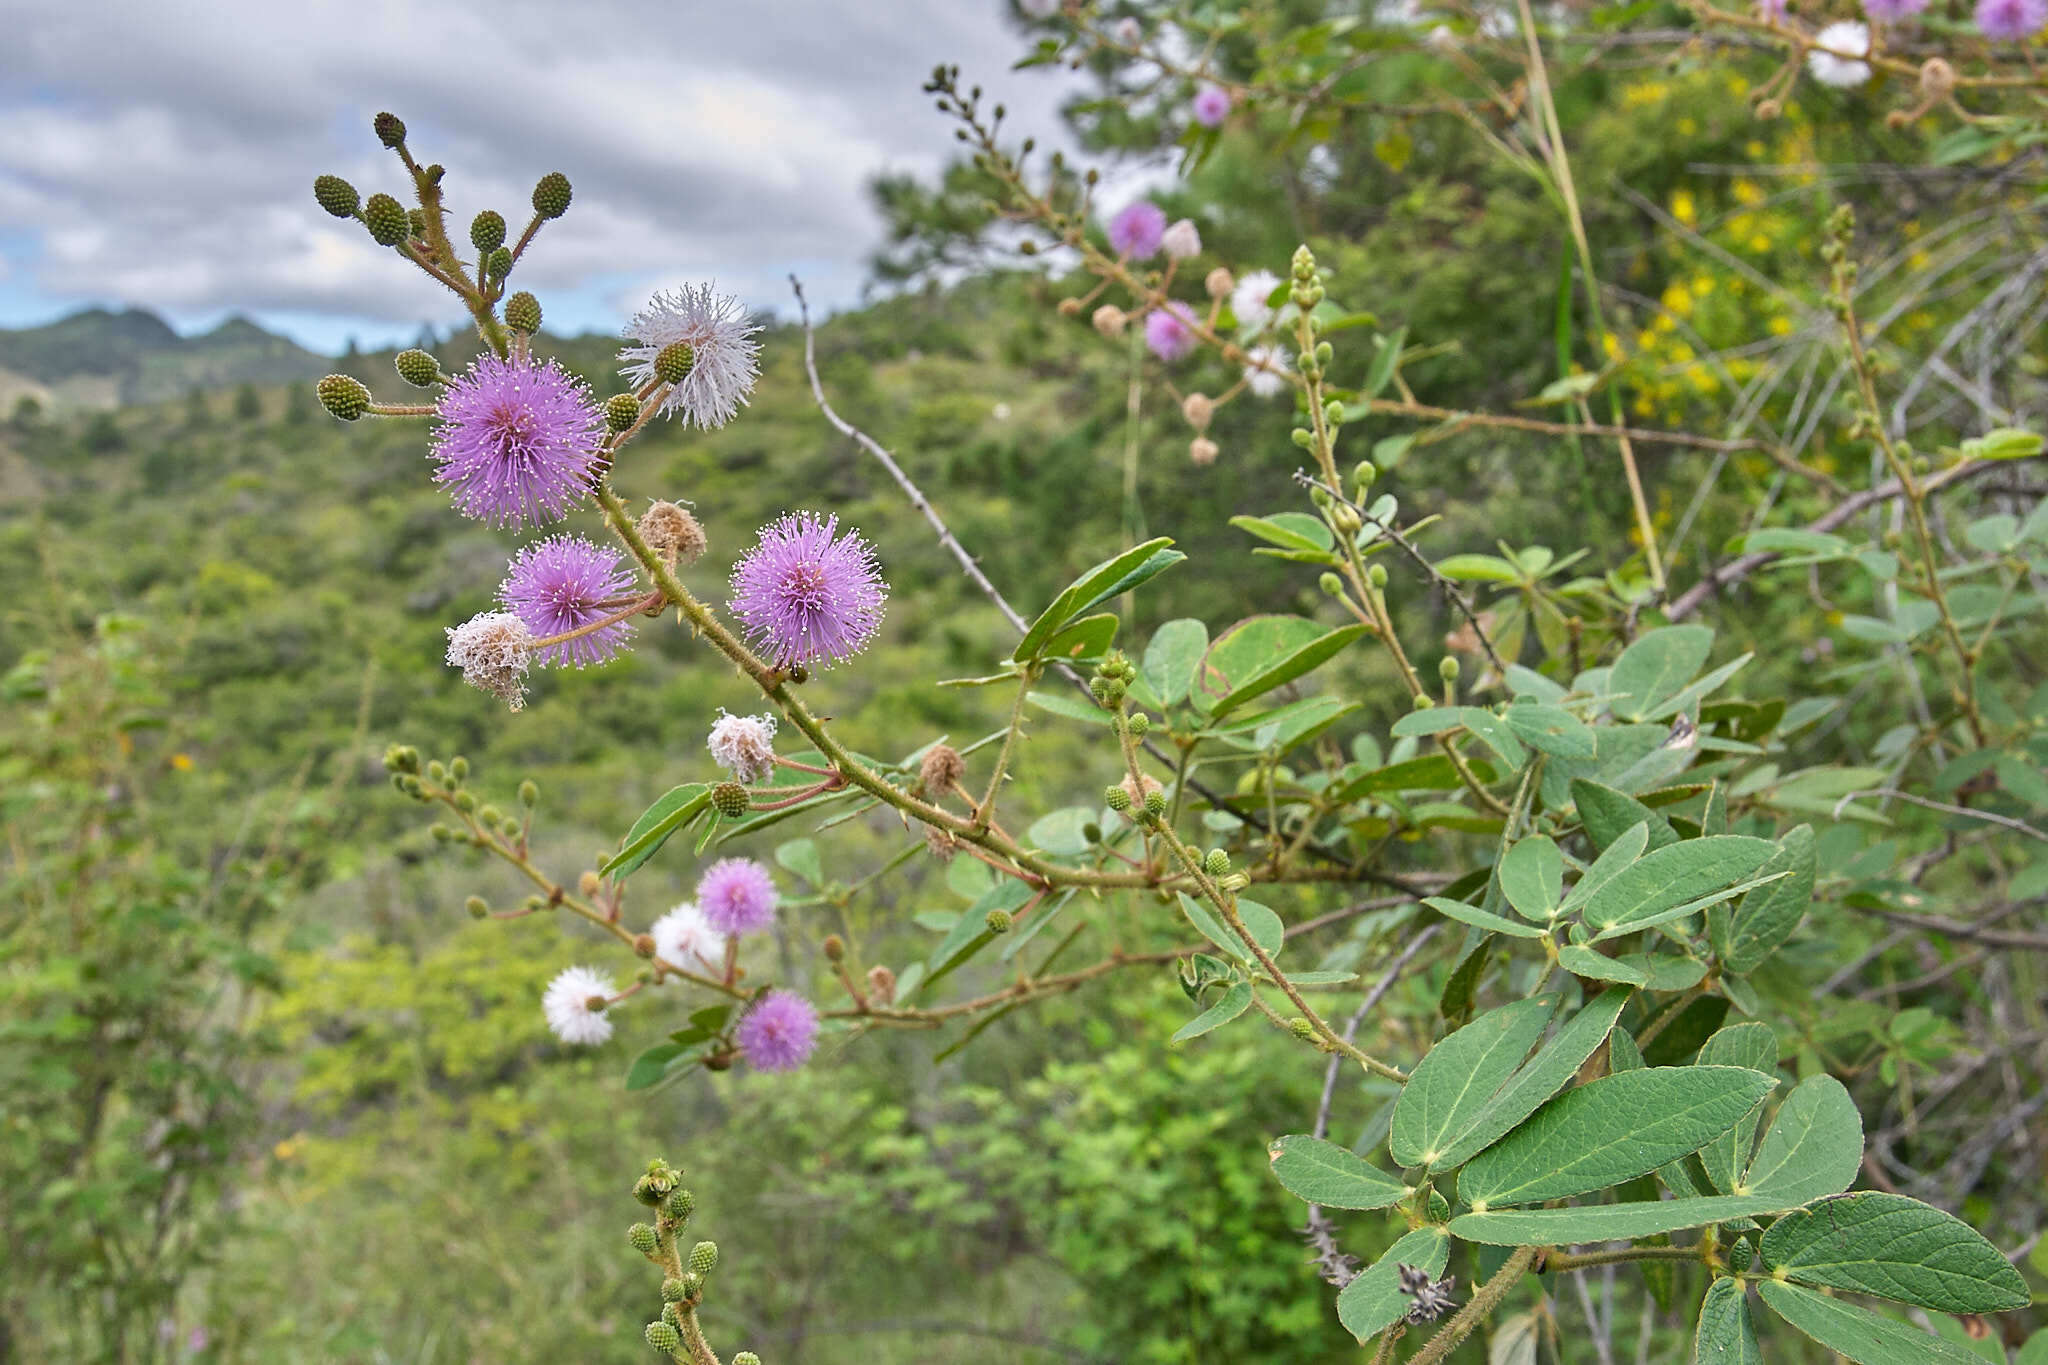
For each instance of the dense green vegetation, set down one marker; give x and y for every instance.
(267, 1093)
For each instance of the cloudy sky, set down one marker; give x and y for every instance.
(161, 152)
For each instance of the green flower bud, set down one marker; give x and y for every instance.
(703, 1257)
(1155, 801)
(385, 217)
(401, 758)
(674, 363)
(390, 129)
(465, 802)
(664, 1337)
(499, 263)
(729, 799)
(411, 787)
(834, 948)
(1302, 437)
(746, 1358)
(1447, 668)
(441, 833)
(336, 195)
(529, 794)
(1333, 411)
(437, 771)
(458, 768)
(1302, 1028)
(551, 196)
(672, 1291)
(1331, 584)
(1304, 263)
(1423, 702)
(343, 396)
(1324, 353)
(1139, 722)
(490, 815)
(1216, 863)
(671, 1315)
(510, 829)
(1376, 575)
(621, 410)
(642, 1239)
(1091, 832)
(487, 231)
(680, 1206)
(522, 313)
(416, 368)
(998, 921)
(477, 906)
(416, 222)
(1365, 474)
(1116, 798)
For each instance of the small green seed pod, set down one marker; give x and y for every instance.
(529, 794)
(416, 368)
(703, 1257)
(344, 396)
(641, 1238)
(1116, 798)
(1447, 668)
(498, 264)
(487, 230)
(621, 410)
(1217, 862)
(730, 800)
(522, 313)
(551, 196)
(390, 129)
(674, 362)
(664, 1337)
(386, 220)
(680, 1206)
(998, 921)
(672, 1291)
(336, 195)
(477, 906)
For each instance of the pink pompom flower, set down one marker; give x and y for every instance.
(737, 896)
(779, 1033)
(517, 441)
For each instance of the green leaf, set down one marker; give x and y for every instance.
(2004, 443)
(1480, 919)
(970, 933)
(1790, 540)
(1752, 931)
(1546, 1073)
(1308, 657)
(1335, 1177)
(1264, 926)
(1387, 358)
(1084, 637)
(1290, 531)
(1616, 857)
(1580, 960)
(677, 807)
(1532, 878)
(1753, 1046)
(1072, 707)
(1726, 1336)
(1478, 569)
(1895, 1248)
(651, 1065)
(1104, 581)
(1604, 1222)
(1813, 1148)
(1455, 1079)
(1171, 658)
(1431, 772)
(1858, 1333)
(1608, 814)
(1610, 1130)
(1655, 667)
(1671, 877)
(801, 857)
(1234, 1001)
(1373, 1301)
(1551, 730)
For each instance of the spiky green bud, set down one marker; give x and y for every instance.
(998, 921)
(692, 1282)
(703, 1257)
(441, 833)
(499, 263)
(1139, 723)
(672, 365)
(1116, 798)
(642, 1239)
(729, 799)
(465, 802)
(1217, 862)
(1376, 575)
(1155, 801)
(344, 396)
(416, 368)
(390, 129)
(386, 220)
(621, 410)
(458, 768)
(487, 230)
(402, 758)
(1331, 584)
(746, 1358)
(672, 1291)
(551, 196)
(1302, 1028)
(664, 1337)
(522, 313)
(416, 222)
(1366, 472)
(437, 771)
(529, 794)
(477, 906)
(336, 195)
(1447, 668)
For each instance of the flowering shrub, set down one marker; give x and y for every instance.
(1604, 845)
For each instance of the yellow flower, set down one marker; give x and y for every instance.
(1759, 243)
(1780, 326)
(1747, 192)
(1678, 299)
(182, 762)
(1688, 126)
(1683, 208)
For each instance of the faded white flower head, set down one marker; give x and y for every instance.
(1844, 72)
(1128, 31)
(1248, 300)
(493, 651)
(1265, 370)
(744, 745)
(725, 358)
(567, 1006)
(1182, 240)
(684, 938)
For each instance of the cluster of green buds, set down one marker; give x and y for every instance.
(1113, 678)
(684, 1274)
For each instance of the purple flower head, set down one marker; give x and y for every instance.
(562, 584)
(806, 597)
(1891, 11)
(516, 441)
(737, 896)
(1170, 332)
(2011, 20)
(779, 1033)
(1211, 106)
(1774, 10)
(1135, 232)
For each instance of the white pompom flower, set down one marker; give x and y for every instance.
(1845, 41)
(567, 1005)
(725, 358)
(1248, 300)
(1182, 240)
(1265, 370)
(684, 938)
(743, 745)
(493, 651)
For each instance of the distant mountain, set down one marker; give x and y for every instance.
(100, 359)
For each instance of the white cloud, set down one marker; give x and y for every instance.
(162, 154)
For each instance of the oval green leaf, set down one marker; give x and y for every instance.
(1895, 1248)
(1813, 1148)
(1335, 1177)
(1725, 1335)
(1455, 1079)
(1373, 1301)
(1858, 1333)
(1603, 1222)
